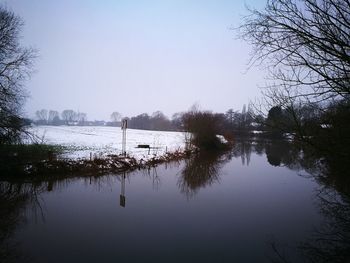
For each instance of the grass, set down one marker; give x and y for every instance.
(32, 152)
(15, 158)
(39, 161)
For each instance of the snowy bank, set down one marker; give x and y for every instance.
(83, 142)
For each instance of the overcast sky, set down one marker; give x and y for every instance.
(137, 56)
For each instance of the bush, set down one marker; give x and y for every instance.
(15, 157)
(203, 126)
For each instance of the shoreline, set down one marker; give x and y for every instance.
(111, 163)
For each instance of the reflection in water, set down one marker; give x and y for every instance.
(201, 170)
(14, 199)
(153, 175)
(122, 191)
(18, 199)
(329, 243)
(243, 149)
(278, 153)
(11, 204)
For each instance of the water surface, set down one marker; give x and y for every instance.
(249, 205)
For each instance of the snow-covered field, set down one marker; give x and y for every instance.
(98, 140)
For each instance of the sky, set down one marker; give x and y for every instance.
(137, 56)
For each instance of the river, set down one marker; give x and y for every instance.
(261, 202)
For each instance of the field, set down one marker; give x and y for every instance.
(83, 141)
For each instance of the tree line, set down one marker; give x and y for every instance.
(234, 120)
(66, 117)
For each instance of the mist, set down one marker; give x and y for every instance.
(136, 56)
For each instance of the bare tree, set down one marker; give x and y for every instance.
(42, 116)
(68, 116)
(53, 115)
(15, 67)
(159, 121)
(229, 115)
(202, 128)
(141, 121)
(176, 120)
(81, 118)
(116, 116)
(305, 45)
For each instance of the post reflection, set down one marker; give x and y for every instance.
(122, 198)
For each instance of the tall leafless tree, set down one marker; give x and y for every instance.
(68, 116)
(81, 118)
(305, 45)
(15, 66)
(53, 115)
(116, 116)
(42, 116)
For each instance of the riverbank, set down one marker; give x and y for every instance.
(46, 160)
(109, 164)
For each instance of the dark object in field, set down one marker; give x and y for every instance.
(145, 146)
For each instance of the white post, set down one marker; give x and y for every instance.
(124, 126)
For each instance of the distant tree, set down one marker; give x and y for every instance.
(276, 121)
(229, 115)
(56, 120)
(243, 118)
(15, 66)
(176, 121)
(81, 118)
(116, 116)
(141, 121)
(42, 116)
(159, 121)
(238, 122)
(259, 119)
(52, 115)
(275, 114)
(75, 117)
(68, 116)
(250, 114)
